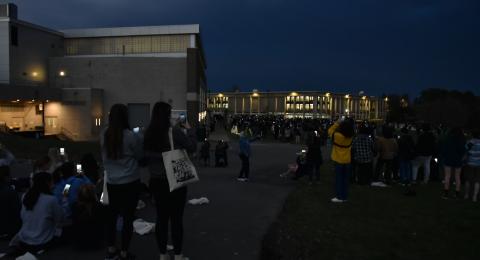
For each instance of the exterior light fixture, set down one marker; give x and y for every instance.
(34, 74)
(255, 94)
(18, 100)
(386, 99)
(347, 96)
(364, 97)
(346, 110)
(327, 94)
(294, 94)
(62, 73)
(220, 95)
(47, 100)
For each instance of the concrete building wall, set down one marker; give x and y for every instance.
(134, 80)
(4, 51)
(31, 55)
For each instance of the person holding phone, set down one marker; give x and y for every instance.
(170, 205)
(341, 133)
(121, 150)
(41, 216)
(72, 185)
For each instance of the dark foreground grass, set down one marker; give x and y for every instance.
(29, 148)
(376, 223)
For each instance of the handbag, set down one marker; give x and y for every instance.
(178, 167)
(104, 197)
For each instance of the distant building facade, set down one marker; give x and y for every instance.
(64, 82)
(309, 104)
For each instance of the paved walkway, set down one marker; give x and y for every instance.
(233, 224)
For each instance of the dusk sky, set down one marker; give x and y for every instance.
(377, 46)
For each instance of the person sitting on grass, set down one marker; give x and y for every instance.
(302, 165)
(10, 221)
(87, 219)
(75, 183)
(341, 133)
(41, 217)
(6, 157)
(60, 178)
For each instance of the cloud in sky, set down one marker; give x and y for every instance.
(345, 45)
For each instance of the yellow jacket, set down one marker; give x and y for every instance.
(341, 146)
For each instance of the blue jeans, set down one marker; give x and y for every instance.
(405, 171)
(342, 177)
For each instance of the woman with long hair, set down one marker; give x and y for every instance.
(41, 216)
(121, 150)
(342, 137)
(170, 205)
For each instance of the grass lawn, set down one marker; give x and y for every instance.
(29, 148)
(376, 223)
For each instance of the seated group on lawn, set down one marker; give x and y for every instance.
(60, 201)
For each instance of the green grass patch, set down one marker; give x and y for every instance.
(376, 223)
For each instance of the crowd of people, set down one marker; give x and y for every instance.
(60, 201)
(378, 155)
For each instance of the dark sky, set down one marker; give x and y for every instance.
(378, 46)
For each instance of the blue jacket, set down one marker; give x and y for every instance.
(244, 144)
(75, 183)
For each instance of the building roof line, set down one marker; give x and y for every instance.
(36, 26)
(131, 31)
(287, 92)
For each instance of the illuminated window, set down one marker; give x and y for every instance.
(127, 45)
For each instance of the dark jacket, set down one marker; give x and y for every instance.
(87, 225)
(426, 144)
(180, 141)
(453, 150)
(406, 148)
(314, 153)
(10, 220)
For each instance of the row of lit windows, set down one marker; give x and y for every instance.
(299, 99)
(127, 45)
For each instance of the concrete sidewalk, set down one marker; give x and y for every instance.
(233, 224)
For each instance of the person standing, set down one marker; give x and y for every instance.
(363, 151)
(342, 137)
(245, 152)
(205, 152)
(453, 151)
(121, 150)
(472, 168)
(424, 149)
(406, 153)
(387, 150)
(314, 156)
(170, 205)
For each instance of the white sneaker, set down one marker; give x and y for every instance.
(336, 200)
(240, 179)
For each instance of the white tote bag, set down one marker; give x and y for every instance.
(180, 170)
(104, 197)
